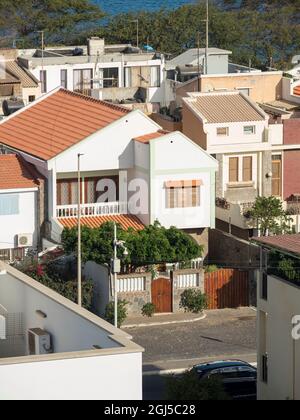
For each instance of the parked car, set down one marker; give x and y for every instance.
(239, 378)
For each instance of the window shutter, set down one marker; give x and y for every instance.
(234, 169)
(247, 169)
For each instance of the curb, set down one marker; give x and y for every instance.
(155, 324)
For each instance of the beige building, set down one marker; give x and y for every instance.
(261, 87)
(278, 328)
(15, 80)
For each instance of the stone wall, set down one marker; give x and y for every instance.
(136, 300)
(177, 291)
(229, 251)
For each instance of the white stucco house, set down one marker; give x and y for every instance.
(131, 171)
(109, 72)
(51, 349)
(21, 187)
(278, 321)
(236, 131)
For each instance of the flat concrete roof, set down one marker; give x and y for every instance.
(118, 336)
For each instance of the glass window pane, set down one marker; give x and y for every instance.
(9, 204)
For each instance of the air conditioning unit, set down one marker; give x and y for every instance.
(39, 342)
(2, 327)
(25, 240)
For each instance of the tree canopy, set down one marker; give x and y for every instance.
(265, 33)
(60, 19)
(153, 245)
(270, 216)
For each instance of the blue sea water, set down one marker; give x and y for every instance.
(113, 7)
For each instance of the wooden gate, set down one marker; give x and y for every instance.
(162, 295)
(227, 288)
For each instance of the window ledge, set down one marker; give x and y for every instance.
(231, 185)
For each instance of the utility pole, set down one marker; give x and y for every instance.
(116, 274)
(79, 235)
(43, 48)
(199, 84)
(137, 32)
(207, 37)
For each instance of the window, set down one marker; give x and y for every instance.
(111, 77)
(31, 98)
(128, 77)
(182, 194)
(264, 370)
(9, 204)
(247, 169)
(234, 169)
(83, 81)
(64, 78)
(155, 76)
(277, 175)
(264, 286)
(249, 129)
(222, 131)
(241, 169)
(43, 80)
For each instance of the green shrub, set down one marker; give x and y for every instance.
(211, 269)
(148, 310)
(188, 387)
(122, 312)
(193, 300)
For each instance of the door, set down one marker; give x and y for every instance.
(276, 176)
(162, 295)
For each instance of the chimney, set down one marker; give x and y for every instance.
(96, 46)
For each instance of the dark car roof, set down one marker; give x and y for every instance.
(205, 367)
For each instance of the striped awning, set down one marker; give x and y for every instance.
(184, 183)
(125, 220)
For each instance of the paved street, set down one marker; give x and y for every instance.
(226, 332)
(223, 334)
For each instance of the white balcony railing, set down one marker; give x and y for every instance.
(94, 209)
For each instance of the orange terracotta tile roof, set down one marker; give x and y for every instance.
(55, 123)
(16, 173)
(148, 137)
(125, 220)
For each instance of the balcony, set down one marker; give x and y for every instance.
(234, 213)
(91, 210)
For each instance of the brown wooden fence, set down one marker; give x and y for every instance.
(227, 288)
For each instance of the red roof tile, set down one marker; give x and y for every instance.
(284, 243)
(125, 220)
(55, 123)
(16, 173)
(148, 137)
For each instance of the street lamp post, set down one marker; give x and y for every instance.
(79, 235)
(116, 268)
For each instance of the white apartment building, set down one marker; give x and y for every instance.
(278, 313)
(118, 73)
(51, 349)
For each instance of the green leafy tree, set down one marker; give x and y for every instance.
(60, 19)
(152, 245)
(270, 216)
(122, 312)
(188, 387)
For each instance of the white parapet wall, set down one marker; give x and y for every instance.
(89, 358)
